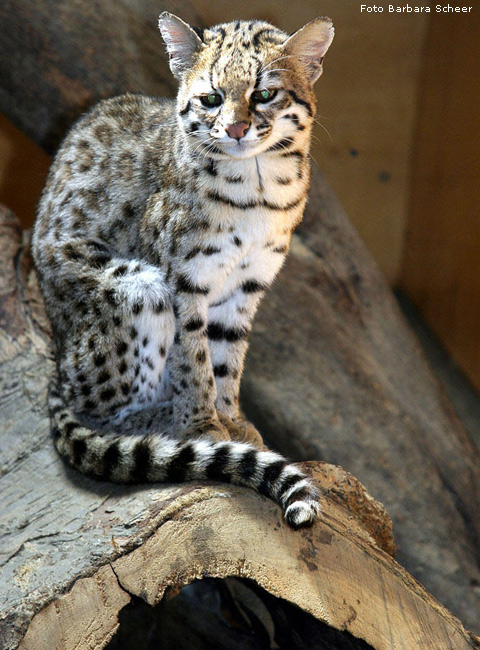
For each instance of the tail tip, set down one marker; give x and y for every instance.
(301, 514)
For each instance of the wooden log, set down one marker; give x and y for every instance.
(74, 551)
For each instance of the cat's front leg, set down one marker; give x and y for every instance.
(191, 372)
(229, 325)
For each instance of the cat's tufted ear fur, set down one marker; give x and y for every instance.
(181, 40)
(310, 44)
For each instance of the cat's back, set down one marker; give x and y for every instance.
(101, 171)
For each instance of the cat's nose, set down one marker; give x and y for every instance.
(237, 130)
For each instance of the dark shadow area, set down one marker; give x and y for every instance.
(214, 614)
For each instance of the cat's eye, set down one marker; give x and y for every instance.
(211, 100)
(263, 96)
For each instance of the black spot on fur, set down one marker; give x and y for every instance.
(110, 460)
(79, 448)
(177, 469)
(107, 394)
(211, 250)
(185, 285)
(137, 307)
(221, 370)
(159, 307)
(219, 332)
(109, 295)
(142, 461)
(194, 324)
(270, 475)
(122, 269)
(103, 377)
(252, 286)
(99, 360)
(193, 253)
(69, 427)
(217, 467)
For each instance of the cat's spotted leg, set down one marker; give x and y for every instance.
(191, 373)
(229, 324)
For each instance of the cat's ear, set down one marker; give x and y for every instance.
(181, 40)
(310, 44)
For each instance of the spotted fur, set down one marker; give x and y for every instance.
(160, 228)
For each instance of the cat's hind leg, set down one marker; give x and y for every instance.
(113, 333)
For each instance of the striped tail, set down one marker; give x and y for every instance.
(160, 459)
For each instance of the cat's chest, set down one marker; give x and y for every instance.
(239, 255)
(254, 182)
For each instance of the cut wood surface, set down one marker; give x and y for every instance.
(74, 550)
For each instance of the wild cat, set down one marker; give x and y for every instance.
(161, 225)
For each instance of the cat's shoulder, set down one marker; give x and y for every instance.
(128, 113)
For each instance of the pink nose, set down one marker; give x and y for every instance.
(237, 130)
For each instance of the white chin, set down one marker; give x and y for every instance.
(241, 150)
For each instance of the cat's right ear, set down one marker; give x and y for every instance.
(181, 40)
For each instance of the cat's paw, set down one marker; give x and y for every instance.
(242, 431)
(212, 429)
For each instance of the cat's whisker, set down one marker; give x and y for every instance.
(324, 128)
(206, 144)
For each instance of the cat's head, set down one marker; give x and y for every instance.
(245, 86)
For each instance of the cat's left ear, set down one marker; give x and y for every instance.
(310, 44)
(181, 40)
